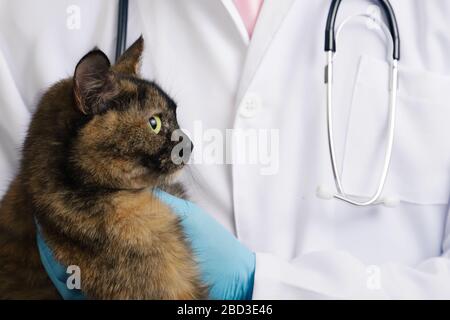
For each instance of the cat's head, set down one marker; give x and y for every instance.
(131, 138)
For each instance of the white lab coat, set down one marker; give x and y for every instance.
(199, 51)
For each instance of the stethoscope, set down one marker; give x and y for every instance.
(391, 29)
(122, 26)
(331, 35)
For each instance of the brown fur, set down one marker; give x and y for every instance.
(89, 163)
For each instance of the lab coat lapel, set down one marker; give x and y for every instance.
(235, 16)
(270, 19)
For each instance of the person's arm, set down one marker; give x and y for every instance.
(233, 273)
(322, 275)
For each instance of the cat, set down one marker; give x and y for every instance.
(97, 145)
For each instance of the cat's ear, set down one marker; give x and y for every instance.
(130, 61)
(93, 82)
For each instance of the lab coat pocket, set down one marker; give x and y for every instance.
(420, 165)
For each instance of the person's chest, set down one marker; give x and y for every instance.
(257, 118)
(273, 90)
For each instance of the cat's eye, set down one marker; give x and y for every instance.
(155, 124)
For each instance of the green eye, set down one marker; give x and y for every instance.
(155, 124)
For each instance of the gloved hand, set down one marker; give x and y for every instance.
(55, 271)
(226, 265)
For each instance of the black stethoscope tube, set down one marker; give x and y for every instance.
(122, 24)
(330, 39)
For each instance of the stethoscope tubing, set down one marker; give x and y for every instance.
(330, 47)
(330, 35)
(122, 26)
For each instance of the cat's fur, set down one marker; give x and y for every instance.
(88, 166)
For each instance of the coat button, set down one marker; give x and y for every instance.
(250, 106)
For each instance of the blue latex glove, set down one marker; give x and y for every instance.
(56, 272)
(226, 265)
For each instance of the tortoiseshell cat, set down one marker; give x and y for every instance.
(97, 144)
